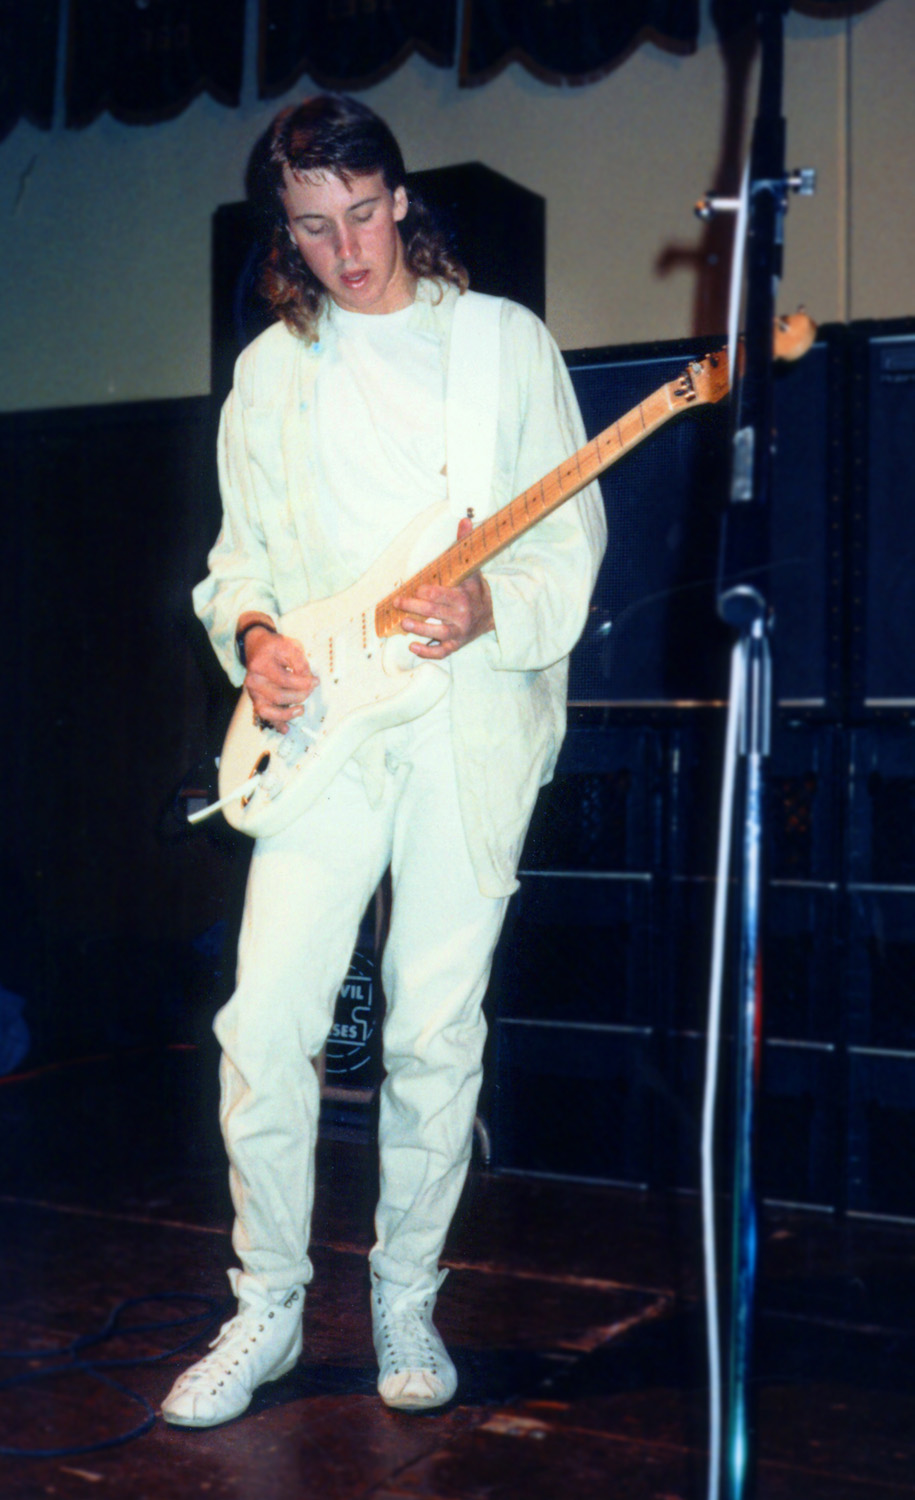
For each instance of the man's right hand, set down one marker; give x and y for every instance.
(278, 678)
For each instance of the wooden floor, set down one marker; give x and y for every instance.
(571, 1311)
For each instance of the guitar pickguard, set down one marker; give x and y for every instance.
(364, 684)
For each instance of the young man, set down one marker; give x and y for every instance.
(384, 390)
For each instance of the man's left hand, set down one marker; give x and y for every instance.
(447, 619)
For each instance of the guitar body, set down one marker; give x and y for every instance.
(365, 684)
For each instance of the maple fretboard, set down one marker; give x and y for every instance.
(497, 531)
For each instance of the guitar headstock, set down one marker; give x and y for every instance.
(793, 335)
(705, 380)
(709, 379)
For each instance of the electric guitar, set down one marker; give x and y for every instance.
(368, 679)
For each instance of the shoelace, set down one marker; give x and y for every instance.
(243, 1330)
(408, 1339)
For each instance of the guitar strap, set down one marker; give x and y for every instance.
(472, 404)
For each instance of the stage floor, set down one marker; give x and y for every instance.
(571, 1311)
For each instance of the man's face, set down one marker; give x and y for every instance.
(348, 238)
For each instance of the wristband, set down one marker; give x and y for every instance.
(240, 637)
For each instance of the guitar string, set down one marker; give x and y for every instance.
(451, 565)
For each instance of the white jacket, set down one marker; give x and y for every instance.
(509, 686)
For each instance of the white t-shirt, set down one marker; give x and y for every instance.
(378, 428)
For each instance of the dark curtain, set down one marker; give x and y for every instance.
(569, 40)
(145, 60)
(350, 43)
(730, 16)
(28, 52)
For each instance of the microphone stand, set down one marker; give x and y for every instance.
(742, 604)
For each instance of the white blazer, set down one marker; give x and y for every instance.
(509, 686)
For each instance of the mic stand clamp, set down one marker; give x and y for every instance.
(803, 181)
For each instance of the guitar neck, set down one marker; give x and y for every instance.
(498, 531)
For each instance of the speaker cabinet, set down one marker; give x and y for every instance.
(881, 1134)
(237, 314)
(880, 993)
(883, 517)
(799, 1151)
(575, 1101)
(575, 1034)
(805, 791)
(881, 787)
(109, 513)
(654, 639)
(802, 964)
(497, 227)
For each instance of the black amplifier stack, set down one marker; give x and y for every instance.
(600, 996)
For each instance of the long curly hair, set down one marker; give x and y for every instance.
(333, 133)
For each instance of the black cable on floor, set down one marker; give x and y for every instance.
(213, 1309)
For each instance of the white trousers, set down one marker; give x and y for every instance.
(307, 890)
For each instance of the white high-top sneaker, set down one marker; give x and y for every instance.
(262, 1342)
(415, 1372)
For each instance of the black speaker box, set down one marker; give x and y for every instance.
(601, 811)
(805, 777)
(879, 993)
(109, 513)
(237, 314)
(799, 1145)
(654, 640)
(799, 1140)
(496, 227)
(881, 1134)
(574, 1100)
(883, 517)
(881, 806)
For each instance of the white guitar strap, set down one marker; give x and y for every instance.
(472, 404)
